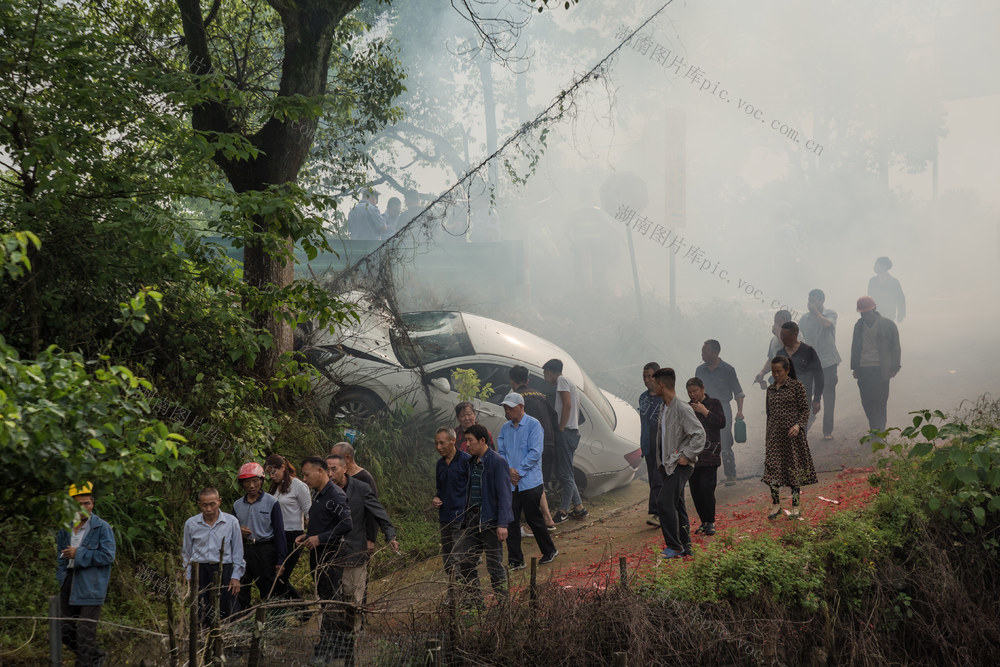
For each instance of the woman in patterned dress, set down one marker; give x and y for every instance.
(787, 460)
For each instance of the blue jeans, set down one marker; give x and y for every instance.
(566, 443)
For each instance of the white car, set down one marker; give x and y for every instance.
(372, 366)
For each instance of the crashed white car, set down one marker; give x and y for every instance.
(371, 366)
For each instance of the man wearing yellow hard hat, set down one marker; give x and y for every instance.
(86, 553)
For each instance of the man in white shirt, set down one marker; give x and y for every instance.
(567, 440)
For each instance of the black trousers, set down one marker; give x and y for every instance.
(475, 541)
(284, 588)
(528, 501)
(80, 633)
(261, 560)
(228, 603)
(673, 513)
(703, 483)
(874, 396)
(334, 631)
(655, 482)
(451, 533)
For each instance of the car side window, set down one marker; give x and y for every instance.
(496, 375)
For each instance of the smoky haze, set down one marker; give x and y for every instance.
(781, 146)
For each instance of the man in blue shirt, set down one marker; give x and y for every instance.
(521, 441)
(722, 384)
(452, 486)
(86, 552)
(205, 535)
(263, 529)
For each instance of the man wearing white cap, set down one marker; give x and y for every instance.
(520, 442)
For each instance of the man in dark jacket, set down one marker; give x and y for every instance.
(649, 405)
(452, 487)
(353, 555)
(85, 556)
(875, 359)
(712, 416)
(329, 522)
(808, 367)
(487, 514)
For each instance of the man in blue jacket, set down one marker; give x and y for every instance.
(487, 514)
(452, 489)
(85, 556)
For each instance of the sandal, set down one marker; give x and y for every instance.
(776, 511)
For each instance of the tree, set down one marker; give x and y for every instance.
(234, 49)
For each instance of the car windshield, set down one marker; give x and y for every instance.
(599, 400)
(433, 336)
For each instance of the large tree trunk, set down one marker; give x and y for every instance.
(284, 145)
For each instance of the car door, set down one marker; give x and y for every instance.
(490, 412)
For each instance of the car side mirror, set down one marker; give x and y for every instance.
(442, 385)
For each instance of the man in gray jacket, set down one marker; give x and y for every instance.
(875, 359)
(680, 437)
(353, 555)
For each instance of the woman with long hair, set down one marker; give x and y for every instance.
(293, 497)
(787, 459)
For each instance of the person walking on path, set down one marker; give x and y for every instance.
(875, 359)
(353, 555)
(520, 443)
(649, 406)
(205, 535)
(780, 317)
(537, 405)
(329, 522)
(887, 291)
(819, 329)
(263, 531)
(86, 552)
(787, 460)
(721, 383)
(808, 367)
(704, 479)
(293, 497)
(680, 438)
(487, 515)
(567, 440)
(452, 485)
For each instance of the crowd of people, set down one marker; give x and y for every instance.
(484, 487)
(366, 223)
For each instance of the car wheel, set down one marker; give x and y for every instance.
(581, 480)
(354, 406)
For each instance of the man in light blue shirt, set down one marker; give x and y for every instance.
(520, 442)
(205, 535)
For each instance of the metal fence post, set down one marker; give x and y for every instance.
(55, 631)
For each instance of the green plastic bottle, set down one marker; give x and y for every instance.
(740, 430)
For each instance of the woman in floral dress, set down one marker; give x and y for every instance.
(787, 460)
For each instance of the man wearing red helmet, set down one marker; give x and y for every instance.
(875, 359)
(261, 523)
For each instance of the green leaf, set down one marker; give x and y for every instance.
(934, 503)
(921, 449)
(929, 431)
(966, 475)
